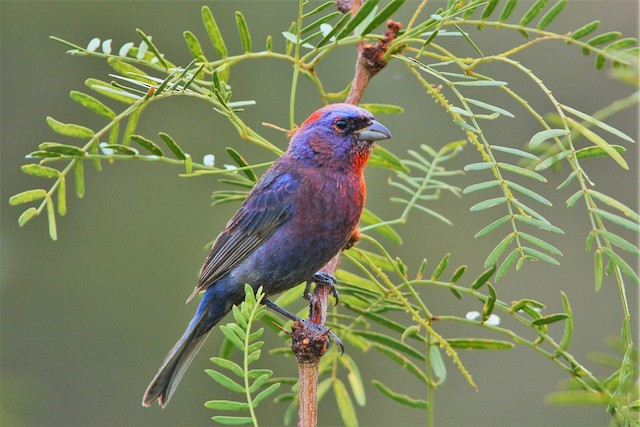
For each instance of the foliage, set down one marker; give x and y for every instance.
(254, 381)
(378, 284)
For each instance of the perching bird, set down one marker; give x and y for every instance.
(300, 214)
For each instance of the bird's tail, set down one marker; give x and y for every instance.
(174, 366)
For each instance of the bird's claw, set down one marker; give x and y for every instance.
(321, 278)
(323, 330)
(308, 324)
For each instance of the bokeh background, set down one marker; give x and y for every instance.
(86, 320)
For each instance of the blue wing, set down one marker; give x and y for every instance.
(267, 207)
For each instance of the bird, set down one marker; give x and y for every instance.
(302, 212)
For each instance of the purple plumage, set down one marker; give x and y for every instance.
(300, 214)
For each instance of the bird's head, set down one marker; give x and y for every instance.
(337, 136)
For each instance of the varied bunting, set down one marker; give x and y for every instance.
(299, 215)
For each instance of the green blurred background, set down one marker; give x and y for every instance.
(87, 320)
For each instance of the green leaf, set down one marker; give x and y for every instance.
(622, 264)
(401, 360)
(479, 344)
(120, 149)
(576, 398)
(194, 45)
(481, 186)
(598, 268)
(484, 277)
(478, 166)
(225, 381)
(318, 9)
(315, 24)
(540, 243)
(515, 152)
(26, 216)
(527, 192)
(587, 152)
(619, 242)
(387, 231)
(522, 171)
(537, 223)
(51, 216)
(79, 179)
(491, 227)
(341, 23)
(175, 148)
(568, 325)
(544, 135)
(520, 304)
(567, 181)
(551, 160)
(610, 201)
(437, 364)
(228, 364)
(507, 10)
(355, 379)
(400, 398)
(243, 30)
(507, 264)
(551, 14)
(382, 108)
(488, 204)
(391, 343)
(62, 196)
(232, 421)
(498, 250)
(265, 393)
(109, 91)
(592, 120)
(382, 16)
(585, 30)
(92, 104)
(214, 32)
(345, 406)
(533, 11)
(41, 171)
(631, 225)
(540, 256)
(128, 70)
(604, 38)
(67, 129)
(226, 405)
(440, 267)
(487, 309)
(551, 318)
(488, 9)
(490, 107)
(27, 196)
(360, 16)
(148, 144)
(457, 274)
(152, 48)
(63, 149)
(596, 139)
(466, 126)
(241, 162)
(231, 336)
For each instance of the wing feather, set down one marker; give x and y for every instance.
(268, 206)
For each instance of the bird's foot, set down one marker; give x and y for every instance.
(321, 278)
(314, 327)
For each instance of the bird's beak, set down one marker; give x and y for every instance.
(374, 132)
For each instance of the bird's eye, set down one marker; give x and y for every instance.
(341, 125)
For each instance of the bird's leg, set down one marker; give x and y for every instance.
(313, 326)
(322, 278)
